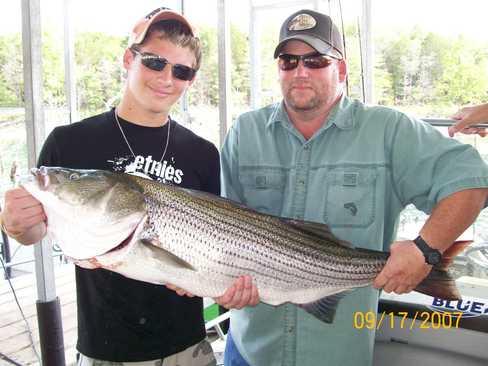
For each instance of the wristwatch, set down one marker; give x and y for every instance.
(432, 256)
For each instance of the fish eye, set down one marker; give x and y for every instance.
(74, 176)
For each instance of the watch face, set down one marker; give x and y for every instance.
(434, 258)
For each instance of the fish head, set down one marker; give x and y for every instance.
(89, 212)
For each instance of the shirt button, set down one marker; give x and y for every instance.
(301, 181)
(306, 147)
(291, 329)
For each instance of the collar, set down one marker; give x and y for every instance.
(341, 115)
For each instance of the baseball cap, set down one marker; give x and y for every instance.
(140, 29)
(315, 29)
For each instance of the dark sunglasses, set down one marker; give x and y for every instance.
(312, 61)
(158, 63)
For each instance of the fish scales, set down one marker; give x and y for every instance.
(222, 219)
(165, 234)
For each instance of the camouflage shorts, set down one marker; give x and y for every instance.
(200, 354)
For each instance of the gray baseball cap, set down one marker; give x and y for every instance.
(315, 29)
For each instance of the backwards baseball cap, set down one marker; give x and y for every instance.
(140, 29)
(315, 29)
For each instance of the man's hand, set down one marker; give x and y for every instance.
(23, 216)
(468, 116)
(404, 270)
(242, 293)
(179, 290)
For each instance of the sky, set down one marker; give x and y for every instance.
(448, 17)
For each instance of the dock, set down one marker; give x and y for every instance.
(15, 344)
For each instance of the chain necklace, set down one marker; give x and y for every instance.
(127, 141)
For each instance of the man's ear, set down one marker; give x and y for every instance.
(128, 58)
(342, 71)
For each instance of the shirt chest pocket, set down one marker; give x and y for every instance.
(351, 197)
(263, 189)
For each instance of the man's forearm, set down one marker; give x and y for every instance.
(452, 216)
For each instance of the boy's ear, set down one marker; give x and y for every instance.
(128, 58)
(192, 80)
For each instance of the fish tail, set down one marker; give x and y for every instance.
(439, 283)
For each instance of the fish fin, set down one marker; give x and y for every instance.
(218, 199)
(316, 229)
(453, 251)
(439, 282)
(324, 309)
(169, 257)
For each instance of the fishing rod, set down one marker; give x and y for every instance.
(440, 122)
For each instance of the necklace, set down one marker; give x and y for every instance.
(127, 141)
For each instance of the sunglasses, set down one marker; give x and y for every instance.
(311, 61)
(158, 63)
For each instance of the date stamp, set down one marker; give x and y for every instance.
(405, 320)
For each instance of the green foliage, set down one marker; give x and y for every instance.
(205, 89)
(11, 77)
(98, 70)
(430, 69)
(411, 68)
(53, 70)
(240, 67)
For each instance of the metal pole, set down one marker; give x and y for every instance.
(223, 29)
(255, 57)
(367, 48)
(185, 111)
(6, 253)
(69, 63)
(48, 308)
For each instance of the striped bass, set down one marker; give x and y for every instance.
(201, 243)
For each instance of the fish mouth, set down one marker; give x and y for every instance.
(41, 176)
(36, 176)
(130, 237)
(125, 242)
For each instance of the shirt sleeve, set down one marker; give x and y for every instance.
(49, 155)
(427, 167)
(213, 179)
(231, 187)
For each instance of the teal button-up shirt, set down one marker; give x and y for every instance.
(355, 174)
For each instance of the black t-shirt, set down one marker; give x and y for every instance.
(120, 319)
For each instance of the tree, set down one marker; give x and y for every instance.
(99, 70)
(11, 75)
(205, 90)
(464, 79)
(53, 71)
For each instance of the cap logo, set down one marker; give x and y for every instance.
(302, 22)
(155, 11)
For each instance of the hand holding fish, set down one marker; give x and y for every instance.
(179, 290)
(23, 217)
(242, 293)
(404, 269)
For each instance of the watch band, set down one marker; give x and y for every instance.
(432, 256)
